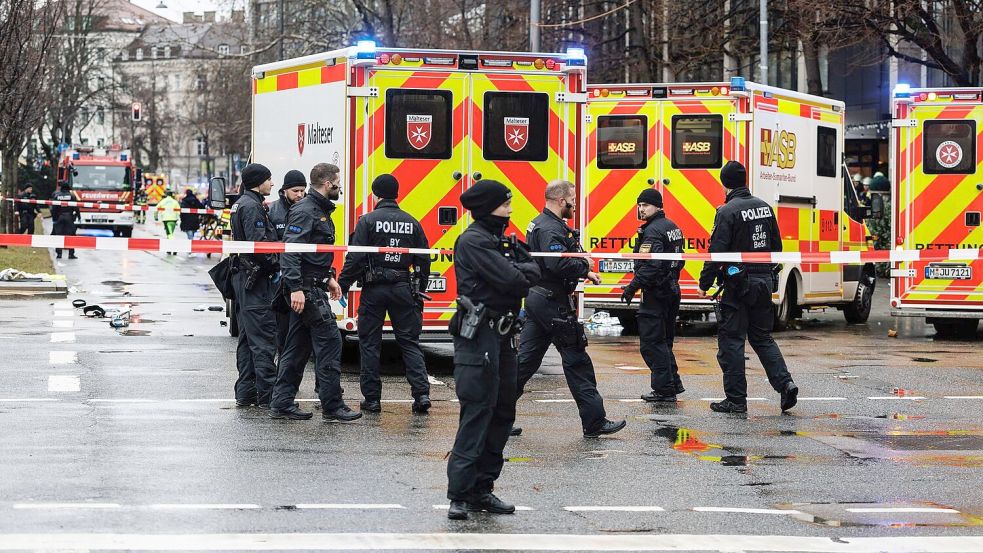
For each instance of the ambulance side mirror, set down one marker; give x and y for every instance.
(876, 209)
(216, 193)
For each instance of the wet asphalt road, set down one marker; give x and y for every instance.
(135, 433)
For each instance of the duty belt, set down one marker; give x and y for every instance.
(317, 281)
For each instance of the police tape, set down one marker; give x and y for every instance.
(117, 206)
(234, 247)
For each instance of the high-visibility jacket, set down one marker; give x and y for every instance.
(168, 210)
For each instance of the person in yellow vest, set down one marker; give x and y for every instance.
(168, 212)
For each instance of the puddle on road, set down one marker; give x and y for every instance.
(132, 332)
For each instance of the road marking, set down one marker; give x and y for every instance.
(64, 383)
(192, 506)
(508, 542)
(629, 400)
(553, 400)
(123, 400)
(395, 401)
(723, 398)
(25, 399)
(895, 397)
(62, 357)
(349, 506)
(822, 399)
(963, 397)
(615, 508)
(901, 510)
(216, 400)
(42, 506)
(63, 323)
(517, 507)
(747, 510)
(62, 337)
(63, 313)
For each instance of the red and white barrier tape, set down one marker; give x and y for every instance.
(117, 206)
(229, 247)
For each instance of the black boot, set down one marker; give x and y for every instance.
(292, 413)
(728, 406)
(371, 405)
(606, 427)
(422, 404)
(342, 414)
(790, 395)
(458, 510)
(653, 397)
(488, 502)
(515, 431)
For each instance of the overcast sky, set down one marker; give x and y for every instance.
(176, 7)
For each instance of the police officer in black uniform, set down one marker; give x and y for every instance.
(659, 282)
(745, 224)
(308, 282)
(253, 286)
(293, 190)
(493, 274)
(26, 212)
(550, 310)
(63, 218)
(388, 285)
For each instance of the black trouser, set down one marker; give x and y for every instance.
(255, 351)
(750, 318)
(282, 325)
(578, 369)
(26, 225)
(324, 340)
(407, 321)
(63, 228)
(485, 383)
(656, 333)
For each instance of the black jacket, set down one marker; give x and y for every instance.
(308, 222)
(658, 278)
(27, 211)
(549, 233)
(191, 221)
(386, 226)
(743, 224)
(64, 215)
(278, 214)
(251, 222)
(485, 275)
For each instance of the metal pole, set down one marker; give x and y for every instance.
(280, 10)
(534, 26)
(763, 62)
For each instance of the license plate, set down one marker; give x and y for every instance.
(98, 220)
(948, 272)
(437, 284)
(616, 265)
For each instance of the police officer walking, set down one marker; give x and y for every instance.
(388, 285)
(745, 224)
(309, 279)
(550, 310)
(27, 212)
(493, 275)
(292, 191)
(63, 218)
(253, 287)
(659, 282)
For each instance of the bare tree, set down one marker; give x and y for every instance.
(27, 28)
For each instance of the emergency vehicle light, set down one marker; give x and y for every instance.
(737, 84)
(122, 157)
(365, 49)
(902, 90)
(76, 155)
(576, 57)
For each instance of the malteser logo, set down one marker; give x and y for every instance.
(313, 133)
(419, 130)
(516, 133)
(778, 148)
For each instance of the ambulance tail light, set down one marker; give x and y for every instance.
(737, 84)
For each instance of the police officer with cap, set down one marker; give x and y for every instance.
(551, 314)
(293, 190)
(388, 285)
(745, 224)
(253, 287)
(27, 212)
(63, 218)
(659, 282)
(308, 282)
(494, 274)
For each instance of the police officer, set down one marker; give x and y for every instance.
(551, 318)
(292, 191)
(309, 280)
(27, 212)
(745, 224)
(388, 285)
(659, 282)
(494, 274)
(253, 288)
(63, 218)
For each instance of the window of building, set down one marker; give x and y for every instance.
(200, 145)
(167, 52)
(949, 147)
(418, 124)
(139, 54)
(697, 141)
(153, 52)
(124, 55)
(177, 82)
(242, 49)
(622, 142)
(200, 82)
(223, 49)
(826, 152)
(100, 116)
(516, 126)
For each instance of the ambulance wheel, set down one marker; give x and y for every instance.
(858, 310)
(230, 309)
(788, 310)
(956, 328)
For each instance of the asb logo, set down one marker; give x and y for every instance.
(778, 148)
(949, 154)
(419, 130)
(300, 138)
(516, 133)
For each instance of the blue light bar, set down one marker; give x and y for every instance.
(365, 49)
(576, 57)
(902, 90)
(737, 84)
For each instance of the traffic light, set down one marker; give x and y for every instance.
(135, 112)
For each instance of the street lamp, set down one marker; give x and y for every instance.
(162, 5)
